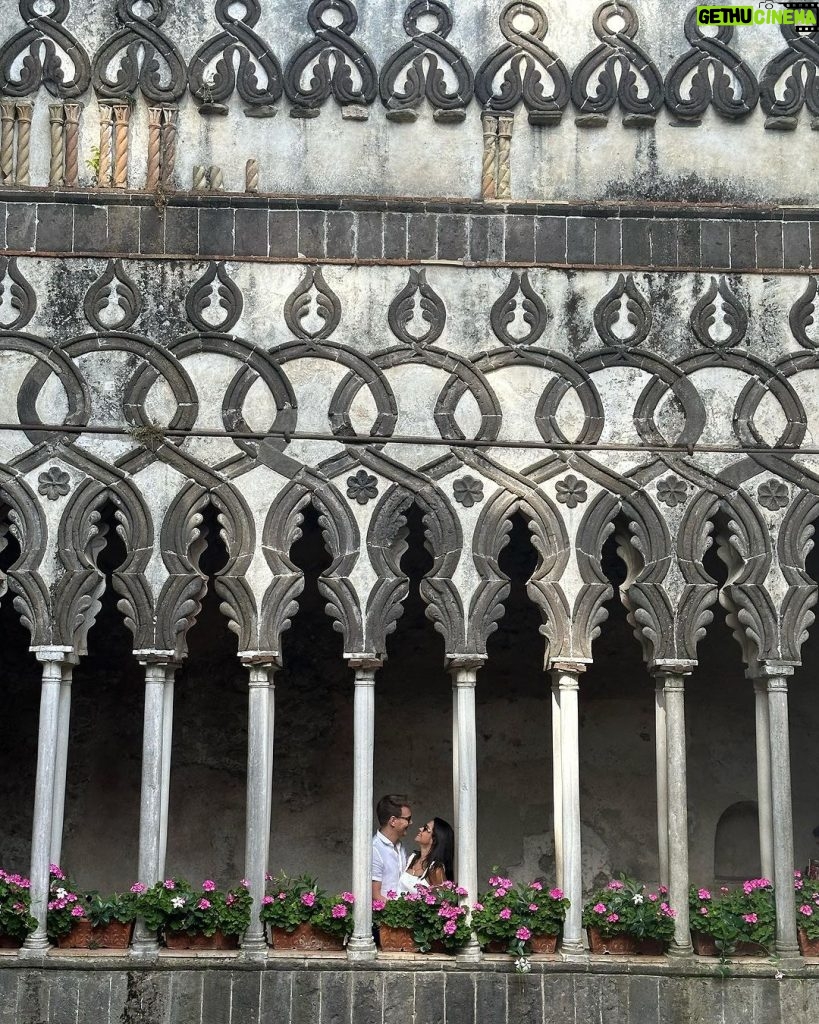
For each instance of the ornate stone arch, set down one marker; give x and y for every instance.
(27, 526)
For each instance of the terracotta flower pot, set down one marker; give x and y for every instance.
(706, 945)
(9, 942)
(196, 940)
(652, 947)
(114, 935)
(306, 937)
(543, 943)
(808, 947)
(496, 946)
(396, 940)
(619, 944)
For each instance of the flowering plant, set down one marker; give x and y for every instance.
(295, 901)
(15, 906)
(176, 906)
(623, 907)
(807, 905)
(746, 914)
(514, 913)
(432, 915)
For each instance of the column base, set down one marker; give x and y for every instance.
(254, 947)
(36, 945)
(680, 950)
(572, 949)
(144, 946)
(471, 953)
(361, 948)
(788, 952)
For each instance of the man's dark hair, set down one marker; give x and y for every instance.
(390, 806)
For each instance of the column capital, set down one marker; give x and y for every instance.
(770, 669)
(151, 656)
(672, 666)
(271, 659)
(367, 661)
(575, 665)
(58, 653)
(464, 668)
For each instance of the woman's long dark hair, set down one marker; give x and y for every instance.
(442, 850)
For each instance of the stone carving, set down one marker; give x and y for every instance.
(773, 495)
(711, 67)
(801, 316)
(791, 80)
(148, 61)
(570, 491)
(22, 299)
(622, 60)
(201, 299)
(607, 314)
(532, 74)
(672, 491)
(417, 301)
(433, 50)
(313, 291)
(704, 317)
(212, 87)
(113, 301)
(467, 491)
(519, 294)
(362, 487)
(332, 64)
(44, 53)
(54, 483)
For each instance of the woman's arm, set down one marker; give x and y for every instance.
(436, 875)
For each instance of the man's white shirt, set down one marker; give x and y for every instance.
(389, 862)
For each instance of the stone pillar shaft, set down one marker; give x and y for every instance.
(8, 114)
(763, 778)
(566, 678)
(361, 945)
(106, 146)
(167, 742)
(464, 676)
(786, 943)
(259, 789)
(662, 780)
(674, 697)
(47, 748)
(61, 763)
(72, 142)
(557, 788)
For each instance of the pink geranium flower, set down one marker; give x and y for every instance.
(77, 912)
(267, 900)
(533, 907)
(138, 888)
(536, 886)
(169, 883)
(450, 927)
(750, 918)
(308, 898)
(704, 894)
(478, 906)
(612, 918)
(599, 908)
(505, 914)
(523, 934)
(556, 894)
(806, 910)
(208, 885)
(379, 904)
(614, 884)
(339, 910)
(203, 904)
(348, 897)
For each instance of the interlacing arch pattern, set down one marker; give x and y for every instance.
(207, 418)
(142, 58)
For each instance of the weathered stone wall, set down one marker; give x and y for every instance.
(220, 992)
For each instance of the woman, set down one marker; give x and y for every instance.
(431, 863)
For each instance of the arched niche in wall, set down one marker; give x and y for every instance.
(736, 843)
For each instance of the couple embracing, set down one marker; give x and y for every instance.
(429, 865)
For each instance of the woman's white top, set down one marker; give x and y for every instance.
(408, 882)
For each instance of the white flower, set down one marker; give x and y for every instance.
(177, 902)
(779, 975)
(637, 898)
(61, 893)
(522, 965)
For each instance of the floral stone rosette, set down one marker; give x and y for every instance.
(625, 908)
(513, 914)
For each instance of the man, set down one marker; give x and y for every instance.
(389, 860)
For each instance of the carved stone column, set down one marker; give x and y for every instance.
(566, 679)
(154, 128)
(763, 777)
(505, 126)
(672, 674)
(489, 168)
(167, 743)
(168, 140)
(24, 115)
(48, 745)
(61, 761)
(7, 116)
(122, 116)
(661, 755)
(153, 799)
(56, 115)
(361, 945)
(464, 676)
(106, 146)
(259, 794)
(776, 673)
(72, 141)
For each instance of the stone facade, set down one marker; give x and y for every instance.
(424, 286)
